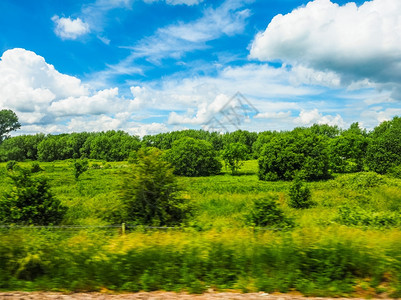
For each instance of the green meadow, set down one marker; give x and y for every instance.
(347, 244)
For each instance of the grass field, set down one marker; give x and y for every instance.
(348, 243)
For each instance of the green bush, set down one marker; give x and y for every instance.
(267, 213)
(30, 202)
(35, 167)
(300, 195)
(80, 167)
(11, 165)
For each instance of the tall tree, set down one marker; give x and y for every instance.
(8, 122)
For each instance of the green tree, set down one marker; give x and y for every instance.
(384, 150)
(299, 151)
(150, 193)
(30, 202)
(8, 122)
(348, 150)
(193, 157)
(233, 155)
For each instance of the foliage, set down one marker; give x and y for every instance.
(327, 262)
(347, 150)
(243, 137)
(267, 213)
(21, 147)
(192, 157)
(30, 202)
(35, 167)
(300, 194)
(11, 165)
(110, 146)
(8, 122)
(80, 166)
(151, 194)
(299, 151)
(360, 217)
(384, 150)
(233, 155)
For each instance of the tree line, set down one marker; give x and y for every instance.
(312, 153)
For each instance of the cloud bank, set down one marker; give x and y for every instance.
(360, 44)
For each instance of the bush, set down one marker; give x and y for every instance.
(35, 167)
(300, 195)
(11, 165)
(150, 192)
(80, 166)
(30, 202)
(192, 157)
(266, 213)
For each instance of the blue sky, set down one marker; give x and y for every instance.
(149, 66)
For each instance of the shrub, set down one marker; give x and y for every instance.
(11, 165)
(80, 166)
(300, 195)
(150, 192)
(192, 157)
(30, 202)
(266, 213)
(35, 167)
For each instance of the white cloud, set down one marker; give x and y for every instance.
(70, 29)
(145, 129)
(357, 43)
(307, 118)
(274, 115)
(29, 84)
(102, 102)
(40, 95)
(176, 40)
(94, 123)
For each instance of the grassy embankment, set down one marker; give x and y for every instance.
(348, 243)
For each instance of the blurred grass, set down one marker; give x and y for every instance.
(319, 257)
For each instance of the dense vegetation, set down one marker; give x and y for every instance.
(324, 220)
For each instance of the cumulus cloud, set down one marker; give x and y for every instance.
(101, 102)
(29, 84)
(70, 29)
(41, 95)
(307, 118)
(357, 43)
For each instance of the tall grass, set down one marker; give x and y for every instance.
(320, 256)
(336, 262)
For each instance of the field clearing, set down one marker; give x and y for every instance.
(327, 253)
